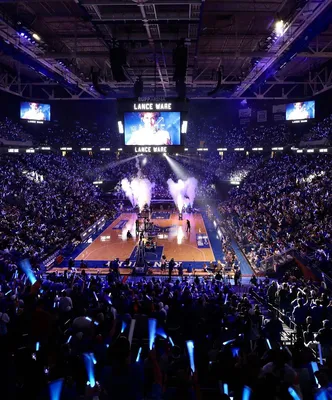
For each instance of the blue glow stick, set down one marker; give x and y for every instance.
(69, 339)
(190, 348)
(226, 297)
(89, 369)
(322, 395)
(288, 351)
(96, 297)
(152, 331)
(226, 388)
(93, 358)
(124, 326)
(37, 346)
(320, 353)
(228, 342)
(55, 388)
(171, 341)
(315, 368)
(269, 344)
(235, 351)
(161, 332)
(26, 268)
(9, 291)
(139, 354)
(246, 393)
(88, 318)
(294, 395)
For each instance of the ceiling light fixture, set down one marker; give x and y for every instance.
(36, 36)
(279, 27)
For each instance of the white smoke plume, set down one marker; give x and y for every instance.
(183, 192)
(126, 187)
(138, 191)
(191, 186)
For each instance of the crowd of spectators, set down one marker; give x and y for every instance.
(77, 136)
(285, 203)
(50, 328)
(11, 131)
(203, 131)
(321, 130)
(235, 166)
(45, 203)
(306, 303)
(114, 168)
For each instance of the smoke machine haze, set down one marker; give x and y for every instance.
(138, 191)
(183, 192)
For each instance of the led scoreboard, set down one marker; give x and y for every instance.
(153, 125)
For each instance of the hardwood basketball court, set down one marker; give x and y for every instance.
(172, 240)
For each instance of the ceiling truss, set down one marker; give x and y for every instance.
(219, 34)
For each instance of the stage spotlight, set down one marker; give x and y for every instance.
(279, 27)
(144, 161)
(36, 36)
(184, 127)
(120, 126)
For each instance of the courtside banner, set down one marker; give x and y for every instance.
(262, 116)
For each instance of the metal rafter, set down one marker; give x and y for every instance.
(152, 31)
(304, 17)
(225, 38)
(9, 35)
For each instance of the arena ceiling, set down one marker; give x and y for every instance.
(50, 47)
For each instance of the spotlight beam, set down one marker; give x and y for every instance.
(177, 168)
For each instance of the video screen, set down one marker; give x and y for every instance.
(35, 111)
(152, 128)
(300, 111)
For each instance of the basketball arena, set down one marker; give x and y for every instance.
(165, 199)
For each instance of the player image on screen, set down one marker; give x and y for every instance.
(34, 112)
(151, 129)
(300, 111)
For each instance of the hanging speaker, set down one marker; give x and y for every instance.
(118, 58)
(95, 82)
(180, 59)
(138, 87)
(217, 88)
